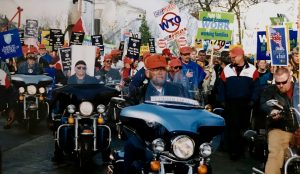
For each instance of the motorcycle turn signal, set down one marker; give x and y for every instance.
(155, 165)
(202, 169)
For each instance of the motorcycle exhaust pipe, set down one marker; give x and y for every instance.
(255, 170)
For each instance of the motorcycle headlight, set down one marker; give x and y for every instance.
(205, 149)
(86, 108)
(101, 109)
(71, 109)
(31, 89)
(158, 145)
(21, 90)
(42, 90)
(183, 147)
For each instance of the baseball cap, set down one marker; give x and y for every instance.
(155, 61)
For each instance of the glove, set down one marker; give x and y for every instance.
(275, 114)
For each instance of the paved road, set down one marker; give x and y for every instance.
(24, 153)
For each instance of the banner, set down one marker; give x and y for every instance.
(77, 38)
(10, 44)
(277, 36)
(52, 33)
(152, 45)
(65, 57)
(170, 23)
(262, 47)
(249, 41)
(215, 26)
(31, 28)
(217, 45)
(133, 49)
(98, 41)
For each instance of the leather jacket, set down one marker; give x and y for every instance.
(287, 122)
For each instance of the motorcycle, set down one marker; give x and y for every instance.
(258, 141)
(32, 103)
(178, 133)
(79, 121)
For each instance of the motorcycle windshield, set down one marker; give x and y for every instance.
(87, 92)
(31, 79)
(172, 118)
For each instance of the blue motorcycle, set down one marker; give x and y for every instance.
(177, 134)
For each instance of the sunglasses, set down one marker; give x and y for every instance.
(81, 67)
(282, 83)
(177, 67)
(108, 61)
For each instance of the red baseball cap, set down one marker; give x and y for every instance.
(127, 60)
(166, 51)
(155, 61)
(185, 50)
(175, 62)
(236, 50)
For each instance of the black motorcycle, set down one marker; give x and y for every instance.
(79, 121)
(177, 133)
(32, 104)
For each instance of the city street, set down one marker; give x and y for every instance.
(23, 153)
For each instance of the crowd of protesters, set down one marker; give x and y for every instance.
(229, 81)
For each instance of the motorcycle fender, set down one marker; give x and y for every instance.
(103, 135)
(65, 136)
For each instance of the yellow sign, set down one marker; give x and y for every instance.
(45, 37)
(144, 49)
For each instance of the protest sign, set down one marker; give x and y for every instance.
(77, 38)
(133, 49)
(216, 45)
(31, 28)
(170, 23)
(86, 53)
(152, 45)
(21, 35)
(215, 26)
(261, 46)
(10, 44)
(277, 39)
(249, 41)
(52, 32)
(45, 37)
(144, 49)
(293, 39)
(97, 40)
(58, 41)
(65, 57)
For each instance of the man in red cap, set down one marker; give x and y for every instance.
(157, 85)
(237, 92)
(106, 73)
(192, 70)
(30, 66)
(116, 59)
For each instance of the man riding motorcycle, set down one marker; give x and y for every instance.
(281, 124)
(157, 86)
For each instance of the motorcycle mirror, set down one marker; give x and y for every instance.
(274, 102)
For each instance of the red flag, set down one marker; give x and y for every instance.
(78, 27)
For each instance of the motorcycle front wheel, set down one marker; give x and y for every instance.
(85, 155)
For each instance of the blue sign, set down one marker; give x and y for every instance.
(261, 51)
(293, 39)
(278, 45)
(10, 44)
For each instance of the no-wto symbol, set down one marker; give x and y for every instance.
(170, 18)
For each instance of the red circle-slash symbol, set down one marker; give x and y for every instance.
(175, 26)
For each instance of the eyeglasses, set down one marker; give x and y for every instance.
(177, 67)
(81, 67)
(281, 83)
(108, 61)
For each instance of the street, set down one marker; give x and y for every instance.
(24, 153)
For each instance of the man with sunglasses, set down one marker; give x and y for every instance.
(80, 76)
(280, 122)
(107, 74)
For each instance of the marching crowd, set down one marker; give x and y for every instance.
(229, 81)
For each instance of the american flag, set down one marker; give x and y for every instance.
(276, 37)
